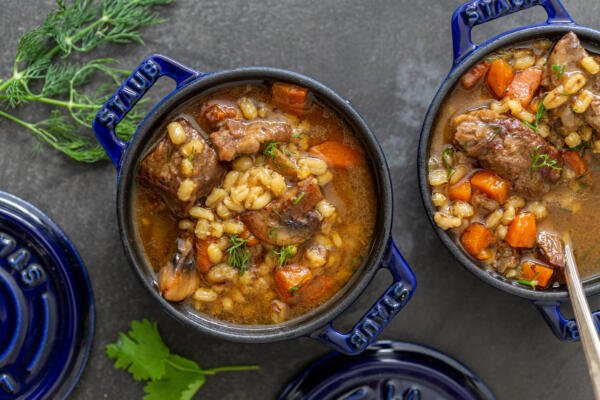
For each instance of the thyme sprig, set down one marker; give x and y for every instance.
(44, 71)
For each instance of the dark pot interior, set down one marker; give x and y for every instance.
(146, 136)
(591, 40)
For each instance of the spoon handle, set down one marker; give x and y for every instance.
(585, 323)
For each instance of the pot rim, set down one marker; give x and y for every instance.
(588, 36)
(319, 316)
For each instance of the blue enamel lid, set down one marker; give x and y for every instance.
(391, 371)
(46, 306)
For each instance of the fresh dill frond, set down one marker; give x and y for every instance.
(238, 255)
(541, 160)
(270, 148)
(283, 254)
(43, 71)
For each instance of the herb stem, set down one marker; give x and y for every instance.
(54, 102)
(214, 371)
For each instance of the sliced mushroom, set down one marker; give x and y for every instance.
(178, 279)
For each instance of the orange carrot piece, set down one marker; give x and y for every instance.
(317, 291)
(524, 85)
(491, 184)
(202, 261)
(290, 279)
(476, 238)
(533, 271)
(522, 231)
(575, 162)
(474, 75)
(290, 98)
(338, 154)
(460, 191)
(500, 76)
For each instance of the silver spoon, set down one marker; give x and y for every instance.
(583, 316)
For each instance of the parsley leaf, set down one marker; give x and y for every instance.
(141, 351)
(181, 381)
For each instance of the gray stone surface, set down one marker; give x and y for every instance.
(387, 58)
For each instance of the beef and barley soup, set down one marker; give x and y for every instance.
(256, 204)
(514, 161)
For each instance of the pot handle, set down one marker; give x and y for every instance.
(564, 329)
(477, 12)
(131, 91)
(366, 331)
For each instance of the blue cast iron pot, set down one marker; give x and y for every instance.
(466, 55)
(317, 323)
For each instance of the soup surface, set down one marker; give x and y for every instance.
(255, 205)
(513, 161)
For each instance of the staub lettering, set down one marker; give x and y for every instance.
(484, 10)
(379, 315)
(18, 260)
(133, 89)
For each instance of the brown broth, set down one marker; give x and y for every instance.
(252, 293)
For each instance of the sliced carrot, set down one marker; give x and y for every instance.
(575, 162)
(460, 191)
(290, 98)
(474, 75)
(251, 240)
(532, 271)
(290, 279)
(476, 238)
(491, 184)
(317, 291)
(522, 231)
(338, 154)
(500, 76)
(524, 85)
(203, 263)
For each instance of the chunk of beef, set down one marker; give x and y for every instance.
(291, 219)
(483, 203)
(567, 54)
(505, 145)
(178, 279)
(506, 257)
(552, 247)
(237, 137)
(162, 169)
(291, 98)
(215, 113)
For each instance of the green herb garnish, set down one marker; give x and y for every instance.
(283, 254)
(533, 283)
(274, 232)
(559, 69)
(142, 352)
(48, 70)
(540, 160)
(294, 289)
(269, 150)
(446, 154)
(529, 125)
(541, 112)
(298, 198)
(238, 255)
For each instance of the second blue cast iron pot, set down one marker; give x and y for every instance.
(466, 55)
(316, 323)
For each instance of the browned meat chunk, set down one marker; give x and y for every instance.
(291, 219)
(566, 57)
(179, 279)
(168, 165)
(507, 147)
(552, 248)
(291, 98)
(483, 203)
(237, 137)
(506, 258)
(215, 114)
